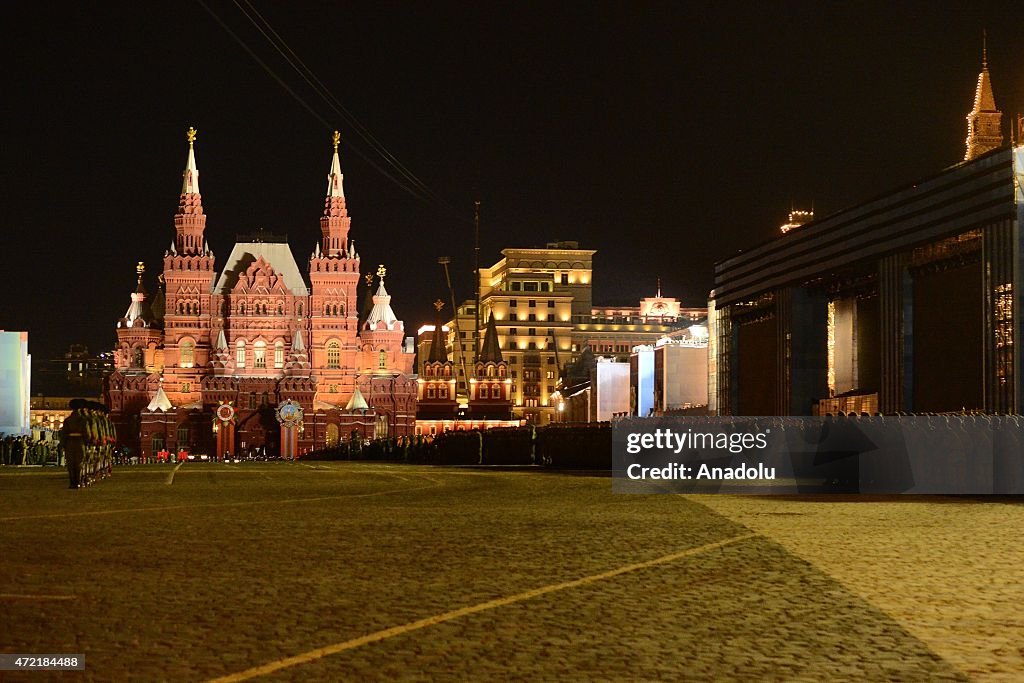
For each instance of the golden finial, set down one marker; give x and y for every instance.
(369, 278)
(190, 135)
(336, 139)
(381, 270)
(140, 268)
(438, 305)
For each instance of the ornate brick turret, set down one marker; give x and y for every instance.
(437, 379)
(190, 221)
(490, 391)
(188, 280)
(984, 122)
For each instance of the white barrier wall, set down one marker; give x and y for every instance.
(15, 377)
(685, 375)
(642, 379)
(612, 388)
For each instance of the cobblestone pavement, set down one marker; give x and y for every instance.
(234, 567)
(949, 570)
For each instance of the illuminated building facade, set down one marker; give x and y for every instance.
(909, 302)
(533, 296)
(542, 304)
(259, 336)
(614, 331)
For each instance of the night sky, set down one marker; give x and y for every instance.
(666, 136)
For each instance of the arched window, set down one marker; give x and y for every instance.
(259, 355)
(333, 354)
(137, 357)
(490, 371)
(299, 311)
(240, 354)
(187, 349)
(501, 371)
(382, 360)
(241, 308)
(279, 354)
(332, 435)
(280, 308)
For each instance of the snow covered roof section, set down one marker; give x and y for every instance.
(277, 254)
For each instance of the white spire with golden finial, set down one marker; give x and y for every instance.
(381, 312)
(334, 178)
(190, 176)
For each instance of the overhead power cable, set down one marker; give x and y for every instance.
(418, 194)
(307, 74)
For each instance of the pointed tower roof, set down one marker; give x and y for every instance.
(138, 313)
(984, 99)
(297, 343)
(490, 351)
(985, 121)
(160, 401)
(357, 402)
(222, 342)
(381, 311)
(335, 178)
(189, 220)
(190, 176)
(438, 352)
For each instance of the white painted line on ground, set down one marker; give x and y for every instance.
(18, 596)
(378, 636)
(170, 477)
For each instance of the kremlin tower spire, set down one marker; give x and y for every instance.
(984, 122)
(190, 221)
(335, 223)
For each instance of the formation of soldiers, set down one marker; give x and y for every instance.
(402, 448)
(88, 438)
(561, 446)
(23, 450)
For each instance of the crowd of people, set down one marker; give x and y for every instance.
(25, 450)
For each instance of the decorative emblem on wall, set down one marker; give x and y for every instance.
(225, 412)
(289, 414)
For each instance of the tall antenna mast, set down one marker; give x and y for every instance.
(476, 269)
(457, 345)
